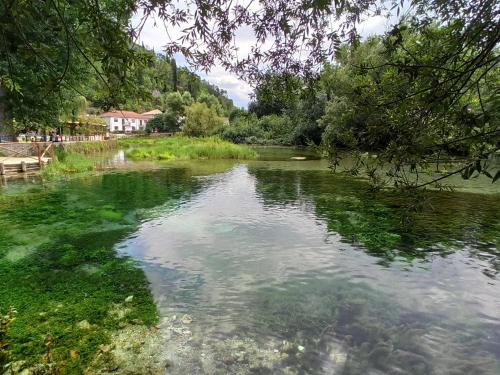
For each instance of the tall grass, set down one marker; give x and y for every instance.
(185, 148)
(67, 163)
(90, 147)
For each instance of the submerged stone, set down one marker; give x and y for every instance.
(84, 325)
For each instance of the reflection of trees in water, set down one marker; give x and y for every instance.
(383, 222)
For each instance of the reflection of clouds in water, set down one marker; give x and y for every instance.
(227, 247)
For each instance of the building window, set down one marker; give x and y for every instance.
(123, 121)
(140, 122)
(133, 121)
(116, 120)
(133, 128)
(116, 127)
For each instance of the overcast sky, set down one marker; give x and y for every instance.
(155, 36)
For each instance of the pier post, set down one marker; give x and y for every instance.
(23, 166)
(2, 169)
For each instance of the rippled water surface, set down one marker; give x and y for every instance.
(280, 267)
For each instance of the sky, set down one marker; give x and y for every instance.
(154, 35)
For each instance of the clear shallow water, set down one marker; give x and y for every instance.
(285, 268)
(271, 266)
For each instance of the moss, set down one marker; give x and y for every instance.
(111, 215)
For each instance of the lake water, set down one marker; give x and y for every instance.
(281, 267)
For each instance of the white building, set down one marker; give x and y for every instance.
(127, 121)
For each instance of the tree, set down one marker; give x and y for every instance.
(212, 102)
(381, 102)
(174, 104)
(201, 120)
(166, 122)
(187, 99)
(173, 66)
(49, 49)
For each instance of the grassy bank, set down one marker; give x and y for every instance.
(185, 148)
(75, 158)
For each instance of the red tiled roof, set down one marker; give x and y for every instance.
(124, 114)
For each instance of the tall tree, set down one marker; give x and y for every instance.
(173, 65)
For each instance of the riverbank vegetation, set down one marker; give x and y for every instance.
(66, 164)
(185, 148)
(88, 148)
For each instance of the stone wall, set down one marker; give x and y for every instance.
(22, 149)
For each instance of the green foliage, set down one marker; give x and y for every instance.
(174, 104)
(241, 130)
(391, 95)
(58, 58)
(403, 96)
(187, 99)
(185, 148)
(201, 120)
(268, 130)
(50, 51)
(173, 65)
(212, 102)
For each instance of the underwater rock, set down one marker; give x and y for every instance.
(286, 346)
(38, 369)
(300, 348)
(186, 319)
(129, 299)
(118, 311)
(84, 325)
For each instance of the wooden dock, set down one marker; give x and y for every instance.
(24, 157)
(10, 164)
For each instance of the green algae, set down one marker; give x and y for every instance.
(60, 270)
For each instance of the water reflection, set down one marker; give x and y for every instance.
(276, 269)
